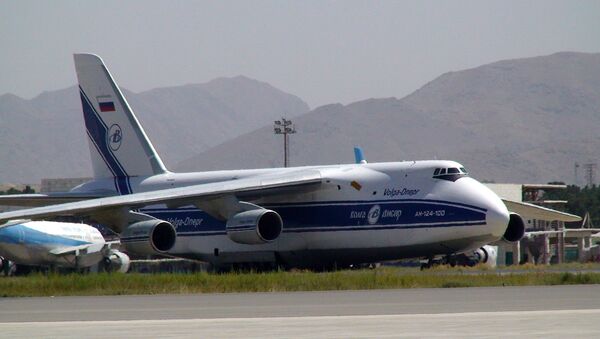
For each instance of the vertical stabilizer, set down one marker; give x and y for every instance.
(359, 158)
(118, 144)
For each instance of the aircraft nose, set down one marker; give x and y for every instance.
(496, 213)
(497, 217)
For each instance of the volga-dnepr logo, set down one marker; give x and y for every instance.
(114, 137)
(373, 216)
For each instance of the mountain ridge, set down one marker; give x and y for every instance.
(44, 137)
(518, 120)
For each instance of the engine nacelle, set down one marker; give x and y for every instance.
(516, 228)
(487, 255)
(149, 237)
(117, 261)
(256, 226)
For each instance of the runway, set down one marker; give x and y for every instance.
(555, 311)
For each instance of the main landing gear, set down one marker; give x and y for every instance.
(427, 265)
(448, 259)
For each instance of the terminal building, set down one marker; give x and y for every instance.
(61, 185)
(547, 241)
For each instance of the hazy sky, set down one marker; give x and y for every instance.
(322, 51)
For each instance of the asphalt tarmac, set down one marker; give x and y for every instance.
(555, 311)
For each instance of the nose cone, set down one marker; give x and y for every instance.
(497, 216)
(472, 192)
(9, 235)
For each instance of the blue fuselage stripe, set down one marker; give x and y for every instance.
(20, 234)
(383, 201)
(336, 216)
(98, 133)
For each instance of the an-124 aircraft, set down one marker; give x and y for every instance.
(314, 216)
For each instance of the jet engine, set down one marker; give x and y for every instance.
(149, 237)
(117, 261)
(487, 255)
(257, 226)
(516, 228)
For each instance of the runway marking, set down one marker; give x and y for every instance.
(327, 317)
(553, 323)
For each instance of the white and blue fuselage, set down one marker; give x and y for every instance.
(41, 243)
(365, 213)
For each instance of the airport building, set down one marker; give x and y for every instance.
(19, 187)
(547, 241)
(61, 185)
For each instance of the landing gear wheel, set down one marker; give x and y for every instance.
(428, 264)
(451, 260)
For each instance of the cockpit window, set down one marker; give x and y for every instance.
(451, 174)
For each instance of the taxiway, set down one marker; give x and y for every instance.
(456, 312)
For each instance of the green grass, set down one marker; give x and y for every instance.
(574, 266)
(168, 283)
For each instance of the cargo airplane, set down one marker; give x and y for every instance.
(314, 216)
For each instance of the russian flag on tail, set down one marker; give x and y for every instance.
(106, 103)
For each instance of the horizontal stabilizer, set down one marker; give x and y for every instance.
(531, 211)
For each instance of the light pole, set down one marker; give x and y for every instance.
(284, 127)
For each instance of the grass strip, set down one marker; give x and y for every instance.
(176, 283)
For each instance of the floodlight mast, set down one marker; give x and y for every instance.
(286, 128)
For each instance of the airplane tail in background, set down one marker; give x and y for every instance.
(119, 146)
(359, 157)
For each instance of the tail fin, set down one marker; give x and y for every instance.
(118, 144)
(359, 158)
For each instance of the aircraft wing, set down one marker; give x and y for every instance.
(35, 200)
(253, 186)
(566, 231)
(86, 248)
(538, 212)
(83, 249)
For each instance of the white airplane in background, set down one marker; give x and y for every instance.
(314, 216)
(57, 244)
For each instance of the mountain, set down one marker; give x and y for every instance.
(44, 137)
(523, 120)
